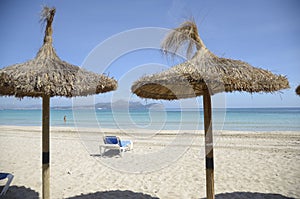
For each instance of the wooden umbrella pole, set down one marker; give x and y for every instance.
(45, 148)
(209, 158)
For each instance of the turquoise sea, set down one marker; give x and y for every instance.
(241, 119)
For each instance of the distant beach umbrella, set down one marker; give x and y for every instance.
(47, 76)
(298, 90)
(204, 74)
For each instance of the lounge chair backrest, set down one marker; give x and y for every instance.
(111, 140)
(9, 177)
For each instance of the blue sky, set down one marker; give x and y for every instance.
(263, 33)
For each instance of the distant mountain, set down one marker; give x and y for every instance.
(21, 107)
(117, 105)
(123, 105)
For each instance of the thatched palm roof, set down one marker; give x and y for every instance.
(47, 74)
(298, 90)
(204, 74)
(189, 79)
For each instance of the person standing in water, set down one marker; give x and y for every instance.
(65, 119)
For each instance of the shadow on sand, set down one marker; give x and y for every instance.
(250, 195)
(130, 195)
(111, 153)
(15, 192)
(114, 194)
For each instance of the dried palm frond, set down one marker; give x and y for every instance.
(47, 74)
(185, 35)
(204, 69)
(46, 13)
(46, 17)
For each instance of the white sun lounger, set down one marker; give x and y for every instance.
(9, 179)
(114, 142)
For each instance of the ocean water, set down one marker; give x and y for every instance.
(241, 119)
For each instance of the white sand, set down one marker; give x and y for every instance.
(164, 165)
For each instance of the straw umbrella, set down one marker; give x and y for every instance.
(46, 76)
(204, 74)
(298, 90)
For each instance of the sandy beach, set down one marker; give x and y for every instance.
(161, 165)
